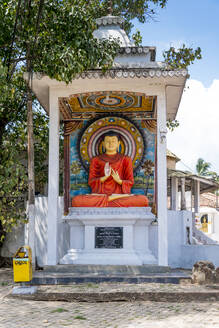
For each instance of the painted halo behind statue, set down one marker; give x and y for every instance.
(132, 142)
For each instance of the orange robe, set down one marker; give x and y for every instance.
(102, 190)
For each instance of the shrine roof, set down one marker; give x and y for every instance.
(207, 184)
(111, 28)
(172, 155)
(134, 69)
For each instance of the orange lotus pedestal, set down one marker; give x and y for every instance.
(103, 201)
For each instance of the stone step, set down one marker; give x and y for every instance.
(107, 269)
(66, 278)
(175, 297)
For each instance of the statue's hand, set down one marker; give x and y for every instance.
(116, 177)
(107, 169)
(107, 172)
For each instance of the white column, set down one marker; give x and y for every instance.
(53, 185)
(191, 184)
(162, 180)
(183, 194)
(197, 196)
(174, 194)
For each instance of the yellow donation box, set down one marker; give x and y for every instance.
(22, 264)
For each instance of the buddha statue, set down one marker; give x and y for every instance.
(111, 179)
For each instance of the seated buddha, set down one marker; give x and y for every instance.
(111, 179)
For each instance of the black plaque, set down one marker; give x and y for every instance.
(108, 237)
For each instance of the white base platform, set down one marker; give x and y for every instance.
(107, 257)
(134, 222)
(24, 290)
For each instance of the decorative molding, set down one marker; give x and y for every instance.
(131, 73)
(110, 20)
(65, 109)
(102, 213)
(100, 93)
(108, 102)
(151, 125)
(126, 73)
(163, 133)
(72, 126)
(143, 50)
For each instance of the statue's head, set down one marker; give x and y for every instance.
(111, 142)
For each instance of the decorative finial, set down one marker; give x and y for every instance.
(110, 7)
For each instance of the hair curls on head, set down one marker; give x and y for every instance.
(111, 133)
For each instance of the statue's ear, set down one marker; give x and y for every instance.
(103, 147)
(119, 147)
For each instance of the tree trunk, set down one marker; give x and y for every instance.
(30, 151)
(3, 123)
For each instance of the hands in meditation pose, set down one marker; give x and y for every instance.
(110, 179)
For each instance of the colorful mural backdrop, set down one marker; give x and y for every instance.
(138, 140)
(107, 101)
(132, 140)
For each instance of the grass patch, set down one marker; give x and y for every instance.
(59, 310)
(80, 317)
(92, 285)
(4, 283)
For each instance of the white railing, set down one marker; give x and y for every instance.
(200, 238)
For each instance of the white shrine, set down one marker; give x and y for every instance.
(68, 235)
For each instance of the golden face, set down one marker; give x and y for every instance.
(111, 144)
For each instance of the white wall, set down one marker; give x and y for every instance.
(153, 239)
(178, 235)
(178, 221)
(41, 210)
(216, 225)
(193, 253)
(63, 232)
(13, 241)
(175, 239)
(180, 252)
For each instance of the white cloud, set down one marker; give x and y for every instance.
(198, 133)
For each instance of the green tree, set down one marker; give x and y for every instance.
(202, 167)
(55, 38)
(51, 37)
(13, 167)
(172, 124)
(182, 57)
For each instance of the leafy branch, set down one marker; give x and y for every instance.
(172, 124)
(182, 57)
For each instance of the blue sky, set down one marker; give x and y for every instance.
(195, 23)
